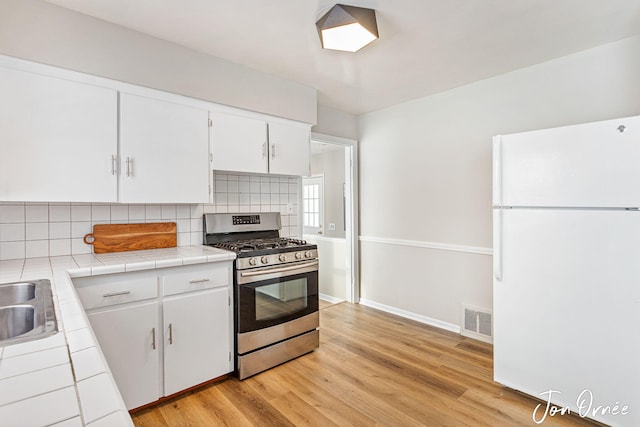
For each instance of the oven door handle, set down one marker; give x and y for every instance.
(278, 269)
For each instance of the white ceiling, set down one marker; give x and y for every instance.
(425, 46)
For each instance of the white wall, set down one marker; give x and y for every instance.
(333, 276)
(331, 165)
(41, 32)
(336, 123)
(425, 173)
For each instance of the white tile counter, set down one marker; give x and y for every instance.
(64, 379)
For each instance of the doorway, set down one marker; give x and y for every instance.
(330, 215)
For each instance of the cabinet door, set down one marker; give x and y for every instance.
(129, 341)
(58, 139)
(165, 152)
(197, 333)
(238, 144)
(289, 149)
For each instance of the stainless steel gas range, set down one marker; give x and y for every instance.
(275, 289)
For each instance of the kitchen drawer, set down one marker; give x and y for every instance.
(205, 276)
(107, 291)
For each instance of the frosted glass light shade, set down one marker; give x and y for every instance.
(347, 28)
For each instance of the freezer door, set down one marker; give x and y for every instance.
(567, 307)
(589, 165)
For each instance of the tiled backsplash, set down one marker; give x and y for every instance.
(258, 193)
(30, 230)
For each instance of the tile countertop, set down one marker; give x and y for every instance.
(64, 380)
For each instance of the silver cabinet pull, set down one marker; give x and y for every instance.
(129, 167)
(115, 294)
(264, 150)
(170, 333)
(113, 164)
(193, 282)
(153, 338)
(273, 151)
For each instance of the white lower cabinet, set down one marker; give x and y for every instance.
(162, 331)
(128, 337)
(196, 347)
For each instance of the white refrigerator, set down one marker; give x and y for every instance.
(566, 280)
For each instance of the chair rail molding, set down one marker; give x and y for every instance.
(428, 245)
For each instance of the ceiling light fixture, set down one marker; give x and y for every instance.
(347, 28)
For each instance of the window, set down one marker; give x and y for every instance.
(312, 204)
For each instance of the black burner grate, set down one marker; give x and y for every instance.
(261, 244)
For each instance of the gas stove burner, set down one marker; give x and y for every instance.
(255, 237)
(284, 242)
(261, 244)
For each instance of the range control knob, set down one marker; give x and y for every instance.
(282, 258)
(307, 254)
(252, 261)
(264, 260)
(298, 255)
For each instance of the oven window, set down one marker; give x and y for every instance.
(274, 301)
(281, 299)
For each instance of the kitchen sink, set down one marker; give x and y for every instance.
(26, 312)
(16, 293)
(16, 320)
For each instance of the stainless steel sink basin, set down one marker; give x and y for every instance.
(26, 312)
(16, 293)
(16, 320)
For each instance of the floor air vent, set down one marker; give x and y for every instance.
(477, 323)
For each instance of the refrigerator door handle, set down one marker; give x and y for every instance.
(497, 243)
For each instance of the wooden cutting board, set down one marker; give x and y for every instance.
(131, 237)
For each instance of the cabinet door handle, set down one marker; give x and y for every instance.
(193, 282)
(273, 151)
(129, 166)
(115, 294)
(153, 338)
(264, 150)
(113, 164)
(170, 333)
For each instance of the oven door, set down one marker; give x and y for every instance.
(270, 296)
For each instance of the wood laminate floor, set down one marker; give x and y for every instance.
(372, 369)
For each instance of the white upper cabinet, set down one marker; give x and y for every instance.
(164, 152)
(241, 144)
(71, 137)
(289, 149)
(58, 139)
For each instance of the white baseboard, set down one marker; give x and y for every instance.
(329, 298)
(413, 316)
